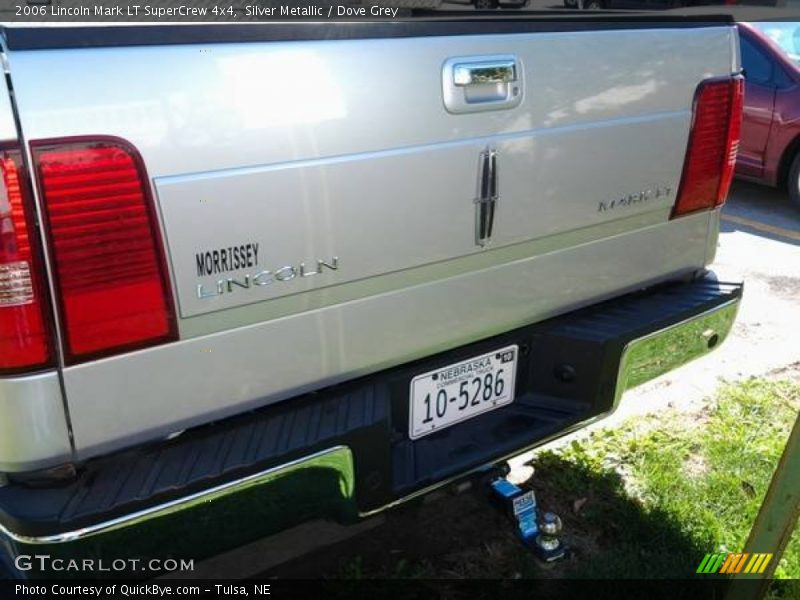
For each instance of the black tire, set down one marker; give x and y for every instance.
(485, 4)
(592, 5)
(793, 181)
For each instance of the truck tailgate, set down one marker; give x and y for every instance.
(320, 200)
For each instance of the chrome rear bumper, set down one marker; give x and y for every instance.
(654, 354)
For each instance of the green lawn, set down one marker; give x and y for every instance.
(663, 490)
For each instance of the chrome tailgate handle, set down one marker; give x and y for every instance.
(482, 83)
(485, 72)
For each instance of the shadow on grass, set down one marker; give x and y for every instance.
(611, 537)
(611, 534)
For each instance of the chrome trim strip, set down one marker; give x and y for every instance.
(487, 197)
(645, 358)
(210, 494)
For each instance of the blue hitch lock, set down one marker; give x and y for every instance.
(519, 505)
(539, 531)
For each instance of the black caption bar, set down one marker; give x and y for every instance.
(229, 11)
(255, 11)
(353, 589)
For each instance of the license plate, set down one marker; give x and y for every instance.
(460, 391)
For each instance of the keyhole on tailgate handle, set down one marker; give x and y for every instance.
(565, 373)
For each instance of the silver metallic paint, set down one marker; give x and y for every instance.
(33, 428)
(8, 128)
(366, 210)
(196, 109)
(206, 113)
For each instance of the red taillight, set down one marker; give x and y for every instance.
(713, 143)
(109, 271)
(24, 332)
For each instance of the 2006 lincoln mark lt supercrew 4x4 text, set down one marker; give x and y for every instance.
(257, 275)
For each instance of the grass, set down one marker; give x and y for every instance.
(694, 483)
(646, 499)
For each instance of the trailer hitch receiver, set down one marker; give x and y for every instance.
(538, 530)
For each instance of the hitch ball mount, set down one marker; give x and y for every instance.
(538, 530)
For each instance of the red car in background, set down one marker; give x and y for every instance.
(769, 151)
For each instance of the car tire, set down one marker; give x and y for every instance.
(485, 4)
(793, 181)
(592, 5)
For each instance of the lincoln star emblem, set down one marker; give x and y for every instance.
(487, 196)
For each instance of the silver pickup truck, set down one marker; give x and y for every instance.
(255, 275)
